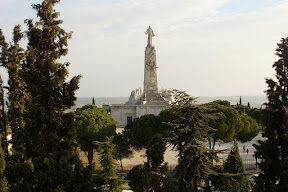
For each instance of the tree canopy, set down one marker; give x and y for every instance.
(141, 130)
(93, 124)
(230, 124)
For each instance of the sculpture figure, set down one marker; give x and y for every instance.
(150, 33)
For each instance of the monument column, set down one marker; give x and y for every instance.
(150, 69)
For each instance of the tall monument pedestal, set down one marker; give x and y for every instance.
(151, 100)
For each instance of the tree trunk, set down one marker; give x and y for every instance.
(195, 184)
(90, 156)
(213, 144)
(121, 165)
(209, 140)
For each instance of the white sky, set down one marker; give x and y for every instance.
(205, 47)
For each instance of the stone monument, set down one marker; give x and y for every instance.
(148, 101)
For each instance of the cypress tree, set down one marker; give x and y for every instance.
(17, 94)
(3, 118)
(49, 134)
(3, 182)
(273, 152)
(240, 101)
(235, 167)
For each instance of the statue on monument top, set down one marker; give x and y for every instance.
(150, 33)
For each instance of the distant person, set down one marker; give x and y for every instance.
(243, 148)
(247, 151)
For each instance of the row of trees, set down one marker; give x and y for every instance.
(187, 128)
(45, 154)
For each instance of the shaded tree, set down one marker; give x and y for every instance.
(49, 135)
(141, 130)
(155, 151)
(254, 113)
(226, 121)
(190, 132)
(3, 117)
(17, 93)
(139, 178)
(93, 124)
(247, 129)
(122, 148)
(238, 178)
(273, 151)
(18, 170)
(3, 182)
(142, 178)
(230, 124)
(110, 180)
(146, 131)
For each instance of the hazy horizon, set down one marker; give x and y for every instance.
(255, 101)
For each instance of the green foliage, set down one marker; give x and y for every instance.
(93, 124)
(110, 180)
(235, 166)
(3, 182)
(155, 151)
(13, 58)
(45, 156)
(190, 132)
(138, 177)
(19, 175)
(226, 122)
(141, 130)
(39, 92)
(247, 129)
(254, 113)
(182, 98)
(122, 148)
(3, 123)
(273, 152)
(142, 178)
(149, 132)
(230, 124)
(222, 102)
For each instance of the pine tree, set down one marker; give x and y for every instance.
(93, 101)
(49, 135)
(234, 165)
(191, 131)
(240, 101)
(273, 152)
(3, 182)
(111, 181)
